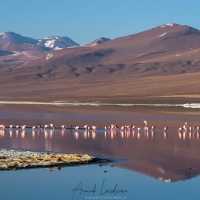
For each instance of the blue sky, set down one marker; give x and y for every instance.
(86, 20)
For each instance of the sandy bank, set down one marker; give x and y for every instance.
(13, 159)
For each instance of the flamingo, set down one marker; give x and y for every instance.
(2, 127)
(128, 127)
(52, 126)
(146, 128)
(76, 127)
(113, 127)
(185, 125)
(138, 129)
(63, 127)
(23, 127)
(180, 129)
(145, 123)
(94, 127)
(134, 127)
(46, 126)
(39, 127)
(11, 126)
(85, 126)
(165, 129)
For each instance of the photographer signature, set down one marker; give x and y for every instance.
(102, 190)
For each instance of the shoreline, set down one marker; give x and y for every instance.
(22, 159)
(98, 104)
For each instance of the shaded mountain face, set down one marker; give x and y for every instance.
(15, 38)
(5, 53)
(98, 41)
(56, 42)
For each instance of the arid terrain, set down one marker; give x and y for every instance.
(161, 62)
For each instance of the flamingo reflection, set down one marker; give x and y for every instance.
(23, 134)
(11, 133)
(93, 134)
(33, 133)
(2, 133)
(76, 135)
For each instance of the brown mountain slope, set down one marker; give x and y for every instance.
(160, 61)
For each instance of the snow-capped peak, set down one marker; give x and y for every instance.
(3, 35)
(166, 25)
(49, 43)
(56, 42)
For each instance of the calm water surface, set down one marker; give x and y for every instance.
(151, 165)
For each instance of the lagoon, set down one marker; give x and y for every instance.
(145, 165)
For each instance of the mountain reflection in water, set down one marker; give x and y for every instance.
(170, 156)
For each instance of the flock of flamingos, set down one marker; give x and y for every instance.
(112, 127)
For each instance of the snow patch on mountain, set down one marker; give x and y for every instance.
(49, 56)
(166, 25)
(3, 35)
(58, 48)
(56, 42)
(162, 34)
(49, 43)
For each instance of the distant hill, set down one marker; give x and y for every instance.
(98, 41)
(9, 37)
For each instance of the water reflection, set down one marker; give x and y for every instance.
(167, 155)
(92, 134)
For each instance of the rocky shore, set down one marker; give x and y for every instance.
(15, 159)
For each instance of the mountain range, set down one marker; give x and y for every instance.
(24, 49)
(160, 61)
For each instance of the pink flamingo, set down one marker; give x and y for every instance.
(94, 127)
(63, 127)
(165, 129)
(52, 126)
(11, 126)
(23, 127)
(76, 127)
